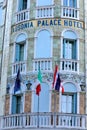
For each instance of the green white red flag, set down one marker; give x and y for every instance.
(38, 83)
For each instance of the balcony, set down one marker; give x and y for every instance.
(45, 64)
(44, 11)
(21, 65)
(22, 16)
(43, 121)
(70, 12)
(69, 65)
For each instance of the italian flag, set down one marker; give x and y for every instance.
(38, 83)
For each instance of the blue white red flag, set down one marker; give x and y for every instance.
(57, 81)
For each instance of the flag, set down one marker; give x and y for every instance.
(38, 83)
(56, 79)
(57, 84)
(17, 82)
(61, 89)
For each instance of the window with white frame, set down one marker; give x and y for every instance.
(20, 48)
(70, 9)
(70, 3)
(43, 99)
(43, 51)
(69, 45)
(43, 44)
(69, 99)
(69, 51)
(17, 104)
(19, 56)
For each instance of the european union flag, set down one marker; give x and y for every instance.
(17, 82)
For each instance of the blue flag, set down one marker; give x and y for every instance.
(56, 79)
(17, 82)
(58, 82)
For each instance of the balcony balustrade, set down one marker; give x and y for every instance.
(22, 16)
(44, 64)
(44, 11)
(70, 12)
(69, 65)
(43, 120)
(21, 65)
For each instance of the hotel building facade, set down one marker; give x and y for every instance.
(39, 34)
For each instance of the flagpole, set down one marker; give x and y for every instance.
(38, 112)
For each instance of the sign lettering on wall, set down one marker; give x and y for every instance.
(48, 22)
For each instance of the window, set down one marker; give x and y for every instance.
(43, 99)
(19, 52)
(22, 5)
(20, 48)
(69, 49)
(43, 44)
(17, 104)
(70, 3)
(19, 56)
(69, 99)
(43, 50)
(69, 9)
(69, 45)
(44, 2)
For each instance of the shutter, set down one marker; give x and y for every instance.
(74, 50)
(75, 3)
(17, 52)
(14, 104)
(63, 48)
(18, 104)
(70, 50)
(20, 5)
(74, 106)
(21, 106)
(66, 49)
(24, 4)
(22, 52)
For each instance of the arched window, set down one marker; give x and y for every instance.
(20, 48)
(43, 99)
(70, 48)
(43, 45)
(43, 51)
(69, 98)
(70, 45)
(44, 2)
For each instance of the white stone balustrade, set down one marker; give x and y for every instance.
(69, 65)
(44, 64)
(70, 12)
(21, 65)
(44, 11)
(45, 120)
(22, 16)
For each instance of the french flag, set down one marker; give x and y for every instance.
(57, 81)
